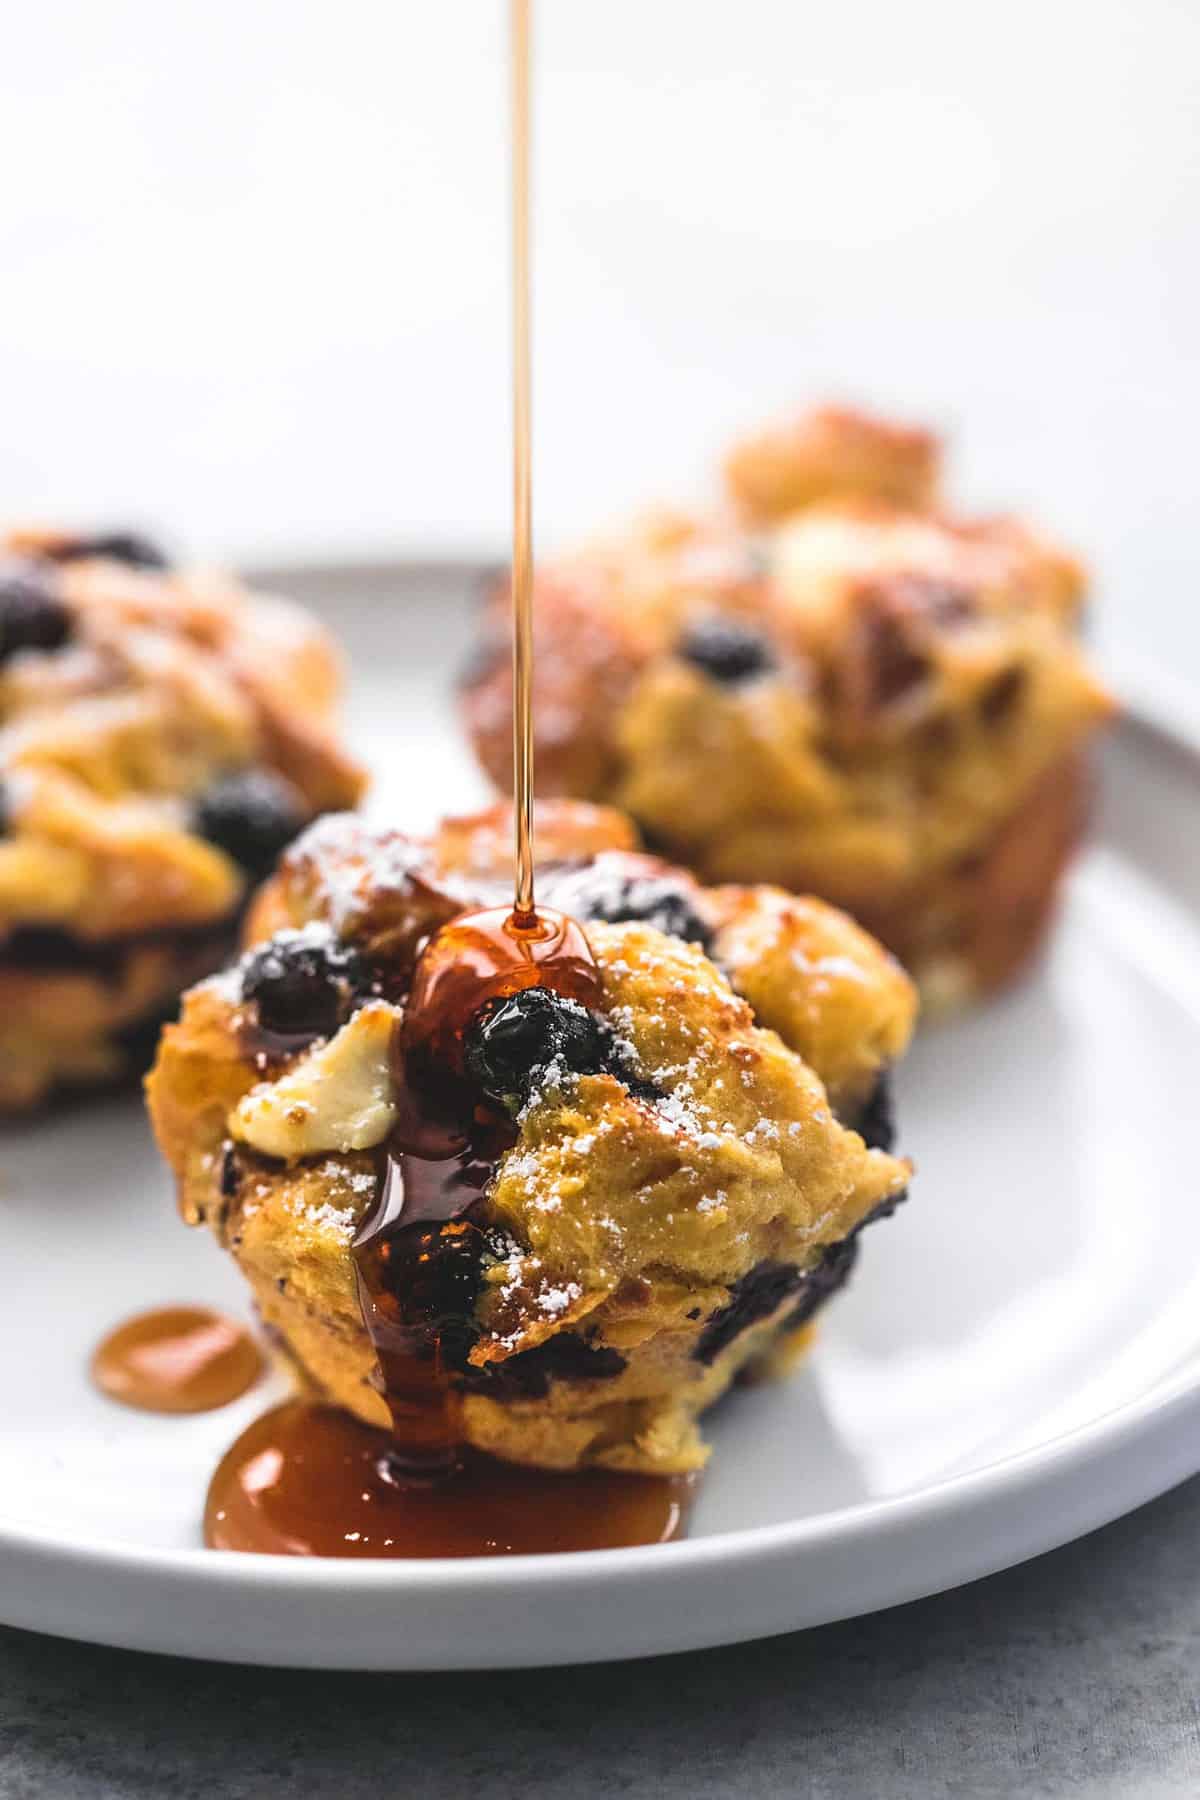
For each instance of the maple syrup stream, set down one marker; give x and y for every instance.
(522, 563)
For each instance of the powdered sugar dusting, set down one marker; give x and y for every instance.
(354, 862)
(324, 1216)
(555, 1300)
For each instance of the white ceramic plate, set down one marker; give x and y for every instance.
(1016, 1362)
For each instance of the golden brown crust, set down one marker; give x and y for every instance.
(478, 847)
(388, 891)
(588, 657)
(828, 454)
(981, 927)
(633, 1203)
(819, 980)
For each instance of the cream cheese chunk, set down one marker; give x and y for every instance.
(337, 1097)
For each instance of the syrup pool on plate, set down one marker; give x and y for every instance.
(177, 1359)
(308, 1480)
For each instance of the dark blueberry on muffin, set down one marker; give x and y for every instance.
(756, 1296)
(831, 1273)
(876, 1124)
(601, 892)
(32, 614)
(726, 650)
(531, 1373)
(253, 816)
(6, 815)
(1002, 695)
(302, 985)
(127, 547)
(514, 1039)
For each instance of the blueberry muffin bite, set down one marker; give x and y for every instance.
(671, 1179)
(838, 690)
(163, 735)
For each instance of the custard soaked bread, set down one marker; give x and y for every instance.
(837, 686)
(163, 735)
(678, 1182)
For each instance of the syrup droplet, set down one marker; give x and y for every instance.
(307, 1480)
(178, 1359)
(481, 956)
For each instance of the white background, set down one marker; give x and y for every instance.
(253, 262)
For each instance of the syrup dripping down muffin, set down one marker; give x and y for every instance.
(837, 686)
(164, 734)
(670, 1180)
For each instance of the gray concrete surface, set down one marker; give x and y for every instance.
(1075, 1675)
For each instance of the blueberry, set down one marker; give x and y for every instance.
(118, 546)
(229, 1175)
(876, 1124)
(530, 1374)
(253, 816)
(763, 1291)
(726, 650)
(756, 1296)
(601, 892)
(884, 1210)
(1002, 694)
(302, 986)
(760, 1293)
(820, 1284)
(5, 811)
(32, 613)
(514, 1037)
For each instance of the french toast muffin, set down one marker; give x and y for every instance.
(836, 686)
(163, 735)
(683, 1167)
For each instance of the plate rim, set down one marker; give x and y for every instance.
(1155, 1421)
